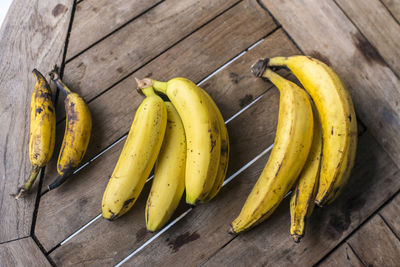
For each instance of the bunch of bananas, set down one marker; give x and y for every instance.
(43, 129)
(314, 146)
(187, 134)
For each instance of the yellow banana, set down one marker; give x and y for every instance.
(291, 147)
(338, 121)
(302, 201)
(78, 128)
(169, 176)
(42, 129)
(138, 156)
(202, 135)
(224, 158)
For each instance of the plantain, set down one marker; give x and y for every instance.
(291, 148)
(138, 156)
(338, 121)
(42, 129)
(78, 128)
(169, 176)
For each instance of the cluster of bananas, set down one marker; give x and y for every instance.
(315, 143)
(43, 130)
(187, 136)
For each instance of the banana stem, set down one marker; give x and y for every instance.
(28, 184)
(55, 77)
(160, 86)
(275, 78)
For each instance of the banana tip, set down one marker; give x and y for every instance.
(297, 238)
(259, 67)
(144, 83)
(232, 231)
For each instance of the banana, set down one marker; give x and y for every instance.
(224, 158)
(202, 131)
(138, 156)
(78, 128)
(42, 129)
(169, 177)
(291, 147)
(338, 121)
(302, 200)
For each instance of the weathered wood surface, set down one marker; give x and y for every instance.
(373, 180)
(380, 28)
(322, 30)
(390, 213)
(394, 7)
(204, 51)
(229, 82)
(22, 252)
(376, 245)
(343, 256)
(32, 36)
(94, 19)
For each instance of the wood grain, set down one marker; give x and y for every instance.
(390, 213)
(342, 256)
(22, 252)
(394, 7)
(94, 19)
(64, 211)
(204, 51)
(377, 25)
(322, 30)
(32, 36)
(373, 180)
(375, 243)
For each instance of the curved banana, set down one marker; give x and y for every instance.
(169, 176)
(42, 129)
(78, 128)
(291, 147)
(338, 121)
(202, 131)
(138, 156)
(302, 200)
(225, 147)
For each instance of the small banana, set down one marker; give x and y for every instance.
(338, 121)
(224, 158)
(138, 156)
(302, 201)
(169, 177)
(291, 147)
(42, 129)
(78, 128)
(202, 131)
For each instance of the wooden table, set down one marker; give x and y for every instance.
(102, 45)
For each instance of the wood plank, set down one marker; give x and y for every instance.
(322, 30)
(371, 184)
(377, 25)
(22, 252)
(137, 43)
(32, 36)
(342, 256)
(375, 243)
(236, 88)
(390, 213)
(113, 111)
(94, 19)
(246, 143)
(394, 7)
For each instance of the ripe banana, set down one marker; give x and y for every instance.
(302, 201)
(42, 129)
(338, 120)
(224, 158)
(138, 156)
(291, 147)
(169, 177)
(202, 131)
(77, 132)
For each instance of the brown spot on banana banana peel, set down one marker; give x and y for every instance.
(113, 216)
(127, 202)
